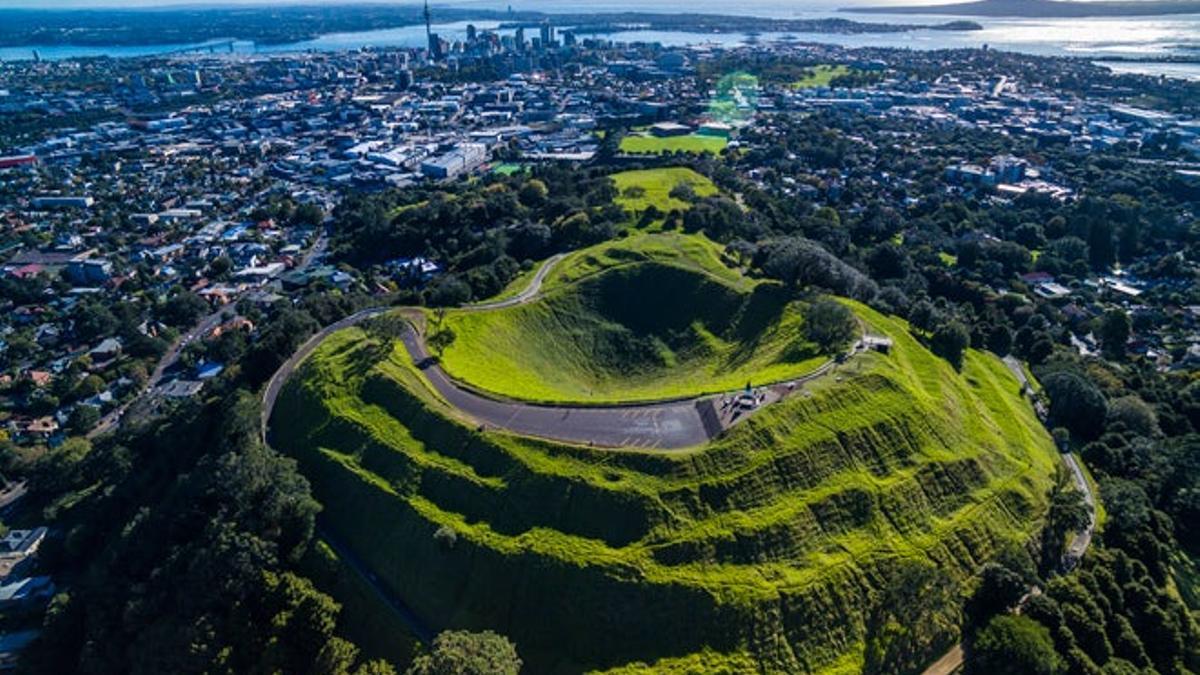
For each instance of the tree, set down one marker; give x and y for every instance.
(375, 667)
(533, 193)
(1113, 331)
(94, 321)
(801, 262)
(830, 324)
(277, 343)
(683, 192)
(467, 653)
(220, 267)
(183, 309)
(916, 615)
(889, 261)
(1000, 340)
(308, 214)
(923, 315)
(1076, 403)
(448, 291)
(58, 469)
(949, 341)
(999, 590)
(83, 418)
(1134, 414)
(1068, 513)
(441, 338)
(1014, 645)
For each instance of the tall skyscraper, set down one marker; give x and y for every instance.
(433, 44)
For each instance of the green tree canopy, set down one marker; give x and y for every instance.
(949, 341)
(1113, 330)
(830, 324)
(467, 653)
(1076, 403)
(1013, 645)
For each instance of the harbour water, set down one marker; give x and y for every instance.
(1142, 37)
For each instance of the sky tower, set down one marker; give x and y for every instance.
(428, 29)
(432, 41)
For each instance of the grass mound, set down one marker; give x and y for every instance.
(764, 550)
(638, 320)
(652, 187)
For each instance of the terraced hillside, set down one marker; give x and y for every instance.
(651, 317)
(766, 549)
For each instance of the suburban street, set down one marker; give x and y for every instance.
(112, 420)
(206, 325)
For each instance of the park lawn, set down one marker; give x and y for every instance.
(508, 168)
(646, 144)
(657, 184)
(821, 76)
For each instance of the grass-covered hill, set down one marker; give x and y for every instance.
(648, 317)
(640, 189)
(768, 549)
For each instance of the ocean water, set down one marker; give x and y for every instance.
(1099, 39)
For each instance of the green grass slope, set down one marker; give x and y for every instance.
(652, 317)
(657, 185)
(764, 550)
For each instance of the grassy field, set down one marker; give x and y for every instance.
(656, 185)
(646, 144)
(766, 547)
(821, 76)
(508, 168)
(654, 316)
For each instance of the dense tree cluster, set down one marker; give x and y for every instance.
(184, 540)
(803, 263)
(480, 233)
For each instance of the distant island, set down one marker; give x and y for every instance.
(1042, 9)
(600, 23)
(269, 25)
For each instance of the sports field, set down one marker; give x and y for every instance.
(641, 143)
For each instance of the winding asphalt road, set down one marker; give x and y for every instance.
(668, 425)
(275, 385)
(665, 425)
